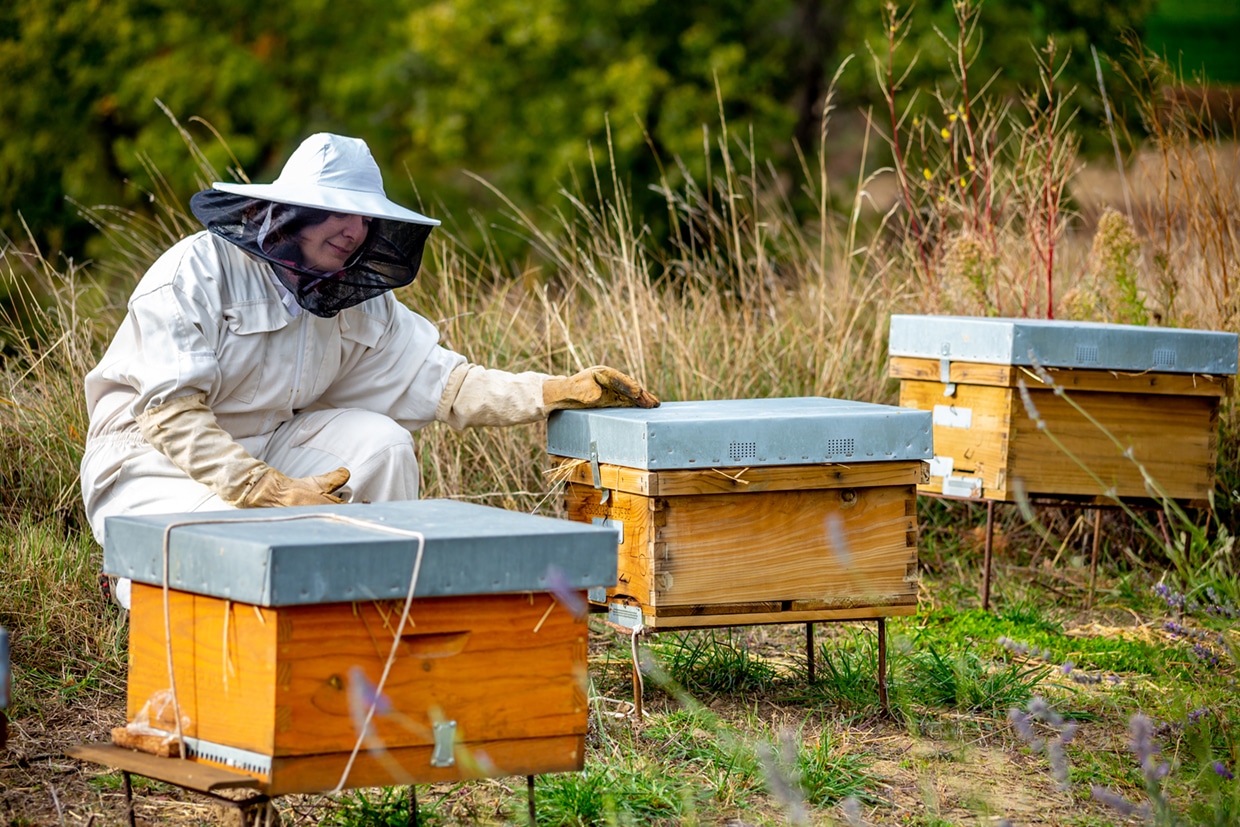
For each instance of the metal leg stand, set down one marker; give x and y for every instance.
(809, 651)
(127, 786)
(413, 806)
(529, 781)
(1093, 561)
(882, 665)
(990, 537)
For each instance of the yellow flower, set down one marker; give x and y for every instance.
(926, 172)
(942, 198)
(962, 185)
(952, 117)
(945, 133)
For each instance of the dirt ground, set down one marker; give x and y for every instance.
(926, 780)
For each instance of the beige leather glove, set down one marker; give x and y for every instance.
(185, 430)
(596, 387)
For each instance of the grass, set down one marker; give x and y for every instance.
(750, 298)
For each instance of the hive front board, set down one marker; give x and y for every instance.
(341, 553)
(741, 433)
(1064, 344)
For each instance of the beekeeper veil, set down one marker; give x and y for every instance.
(327, 174)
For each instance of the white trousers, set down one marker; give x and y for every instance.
(377, 451)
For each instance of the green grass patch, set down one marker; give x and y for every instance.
(713, 661)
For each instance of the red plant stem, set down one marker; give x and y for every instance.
(895, 146)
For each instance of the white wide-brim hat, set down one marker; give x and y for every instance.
(331, 172)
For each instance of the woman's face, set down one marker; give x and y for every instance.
(327, 247)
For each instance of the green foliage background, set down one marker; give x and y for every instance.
(521, 92)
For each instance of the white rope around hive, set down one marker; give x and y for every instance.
(178, 733)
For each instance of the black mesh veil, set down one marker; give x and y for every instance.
(389, 257)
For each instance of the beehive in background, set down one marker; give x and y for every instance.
(1156, 390)
(282, 629)
(749, 511)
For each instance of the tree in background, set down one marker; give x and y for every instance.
(80, 81)
(523, 93)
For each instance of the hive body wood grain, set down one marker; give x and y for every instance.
(758, 545)
(1169, 421)
(510, 669)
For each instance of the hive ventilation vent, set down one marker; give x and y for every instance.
(1087, 354)
(841, 446)
(739, 451)
(1164, 357)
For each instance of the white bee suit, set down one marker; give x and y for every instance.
(302, 393)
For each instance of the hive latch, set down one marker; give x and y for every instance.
(444, 754)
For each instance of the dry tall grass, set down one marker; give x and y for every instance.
(747, 299)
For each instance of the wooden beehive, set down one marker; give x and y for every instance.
(1152, 394)
(751, 533)
(274, 680)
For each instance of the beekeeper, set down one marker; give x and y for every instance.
(265, 361)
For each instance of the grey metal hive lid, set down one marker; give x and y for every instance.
(737, 433)
(1064, 344)
(470, 549)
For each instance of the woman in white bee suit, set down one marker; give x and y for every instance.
(265, 362)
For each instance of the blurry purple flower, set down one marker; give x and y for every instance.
(1068, 733)
(851, 808)
(1142, 730)
(1113, 800)
(1221, 770)
(1059, 764)
(1067, 667)
(837, 540)
(1023, 722)
(564, 592)
(361, 694)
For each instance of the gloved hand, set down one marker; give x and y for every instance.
(273, 488)
(185, 430)
(596, 387)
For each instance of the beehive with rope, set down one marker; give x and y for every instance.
(749, 511)
(316, 649)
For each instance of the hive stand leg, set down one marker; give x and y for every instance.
(127, 786)
(413, 805)
(809, 652)
(990, 538)
(529, 782)
(882, 665)
(637, 676)
(1093, 561)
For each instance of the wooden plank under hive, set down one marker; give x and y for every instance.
(1115, 402)
(775, 511)
(280, 632)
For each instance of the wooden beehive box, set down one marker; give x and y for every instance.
(281, 630)
(749, 511)
(1155, 390)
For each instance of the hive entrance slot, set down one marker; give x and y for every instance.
(434, 644)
